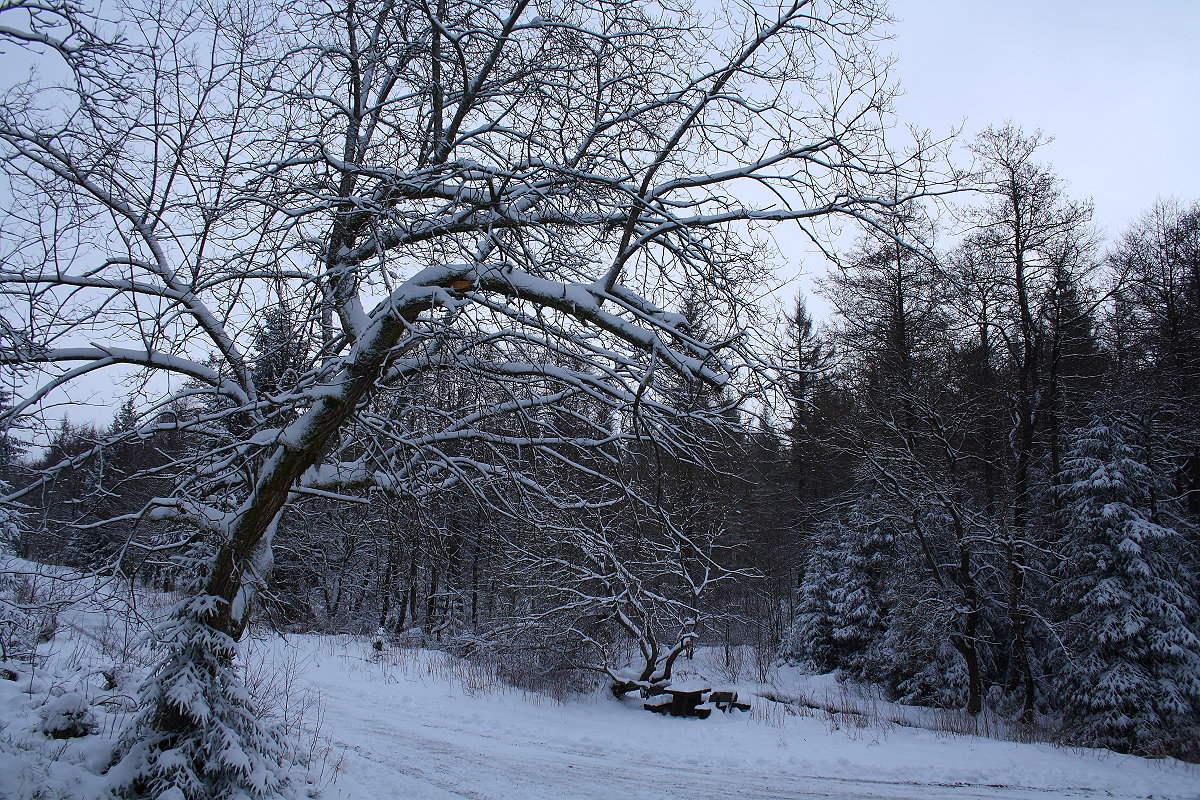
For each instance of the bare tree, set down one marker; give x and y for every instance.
(62, 27)
(622, 581)
(1022, 235)
(1154, 329)
(437, 188)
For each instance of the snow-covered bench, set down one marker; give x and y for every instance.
(727, 700)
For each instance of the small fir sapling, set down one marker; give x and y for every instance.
(199, 735)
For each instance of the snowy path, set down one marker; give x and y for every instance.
(412, 733)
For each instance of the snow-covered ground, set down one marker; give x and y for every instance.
(423, 725)
(411, 729)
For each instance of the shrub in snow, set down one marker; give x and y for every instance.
(1131, 681)
(68, 717)
(18, 628)
(411, 637)
(198, 736)
(9, 517)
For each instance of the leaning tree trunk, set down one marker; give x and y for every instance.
(249, 534)
(198, 733)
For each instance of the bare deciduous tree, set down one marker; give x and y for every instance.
(510, 190)
(1025, 227)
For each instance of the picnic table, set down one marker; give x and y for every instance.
(687, 699)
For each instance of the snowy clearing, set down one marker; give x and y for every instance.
(424, 725)
(418, 724)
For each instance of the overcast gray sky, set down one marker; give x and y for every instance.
(1116, 83)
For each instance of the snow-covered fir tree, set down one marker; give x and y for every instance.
(279, 349)
(860, 602)
(809, 641)
(1131, 677)
(16, 624)
(915, 656)
(842, 606)
(199, 735)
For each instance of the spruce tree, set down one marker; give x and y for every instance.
(860, 602)
(809, 640)
(1131, 681)
(17, 626)
(199, 735)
